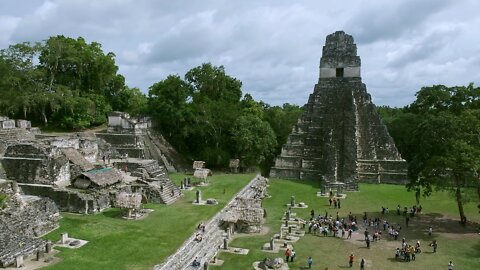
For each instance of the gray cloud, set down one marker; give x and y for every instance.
(274, 47)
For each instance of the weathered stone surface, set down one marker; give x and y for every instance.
(21, 220)
(340, 136)
(134, 137)
(69, 200)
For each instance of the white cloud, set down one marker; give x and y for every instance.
(273, 46)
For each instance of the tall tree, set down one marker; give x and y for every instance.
(448, 141)
(254, 140)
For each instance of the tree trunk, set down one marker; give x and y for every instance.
(44, 115)
(458, 198)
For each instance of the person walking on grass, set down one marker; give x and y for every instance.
(362, 264)
(350, 260)
(434, 245)
(288, 253)
(450, 265)
(310, 262)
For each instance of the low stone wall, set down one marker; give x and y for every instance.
(119, 139)
(70, 200)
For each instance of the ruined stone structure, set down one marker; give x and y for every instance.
(340, 136)
(16, 129)
(67, 169)
(23, 218)
(133, 137)
(151, 181)
(246, 213)
(214, 237)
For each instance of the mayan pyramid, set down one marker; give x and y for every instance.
(340, 138)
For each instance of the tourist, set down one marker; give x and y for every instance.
(292, 255)
(411, 250)
(288, 253)
(309, 262)
(434, 245)
(350, 260)
(368, 242)
(430, 230)
(450, 265)
(362, 264)
(195, 262)
(338, 203)
(366, 234)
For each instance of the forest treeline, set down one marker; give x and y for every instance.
(70, 84)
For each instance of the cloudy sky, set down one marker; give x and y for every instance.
(272, 46)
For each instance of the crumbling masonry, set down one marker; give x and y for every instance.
(340, 138)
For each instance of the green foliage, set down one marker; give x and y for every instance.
(130, 100)
(204, 117)
(254, 140)
(64, 81)
(439, 135)
(3, 199)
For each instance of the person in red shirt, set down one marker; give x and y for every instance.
(288, 253)
(350, 260)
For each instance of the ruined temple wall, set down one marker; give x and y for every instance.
(119, 139)
(70, 200)
(37, 171)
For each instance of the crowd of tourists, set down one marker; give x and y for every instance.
(375, 229)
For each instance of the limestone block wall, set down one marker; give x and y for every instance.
(54, 170)
(70, 200)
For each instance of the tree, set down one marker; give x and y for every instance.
(169, 104)
(211, 82)
(254, 140)
(130, 100)
(61, 80)
(447, 156)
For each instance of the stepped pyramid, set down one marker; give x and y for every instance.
(340, 137)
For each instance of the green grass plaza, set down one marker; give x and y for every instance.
(115, 243)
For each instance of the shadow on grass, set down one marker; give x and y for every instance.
(312, 183)
(476, 251)
(419, 224)
(112, 213)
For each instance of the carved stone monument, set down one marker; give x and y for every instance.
(198, 196)
(340, 136)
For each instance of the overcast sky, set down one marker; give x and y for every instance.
(273, 47)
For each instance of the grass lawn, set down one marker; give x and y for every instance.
(456, 243)
(115, 243)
